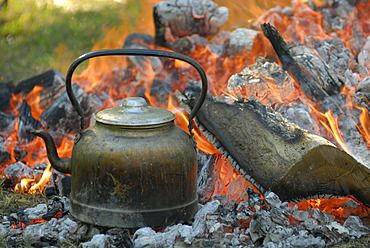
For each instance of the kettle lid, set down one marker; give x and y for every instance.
(134, 112)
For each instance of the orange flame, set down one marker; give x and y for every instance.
(330, 123)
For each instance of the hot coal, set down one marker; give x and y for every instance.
(267, 222)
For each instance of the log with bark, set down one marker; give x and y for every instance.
(276, 155)
(311, 88)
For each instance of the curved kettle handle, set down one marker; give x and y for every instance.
(136, 52)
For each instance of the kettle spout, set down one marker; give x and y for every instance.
(61, 165)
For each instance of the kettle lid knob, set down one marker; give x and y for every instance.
(134, 102)
(135, 112)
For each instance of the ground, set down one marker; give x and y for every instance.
(38, 35)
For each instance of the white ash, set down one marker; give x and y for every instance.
(3, 231)
(37, 212)
(98, 241)
(220, 222)
(224, 226)
(13, 170)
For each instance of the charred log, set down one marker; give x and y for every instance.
(61, 115)
(173, 18)
(308, 85)
(320, 72)
(46, 79)
(6, 90)
(26, 124)
(142, 41)
(52, 81)
(276, 155)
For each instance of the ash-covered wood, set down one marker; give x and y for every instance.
(26, 124)
(6, 124)
(205, 181)
(308, 85)
(4, 155)
(242, 40)
(335, 54)
(180, 18)
(265, 80)
(363, 93)
(276, 155)
(62, 117)
(311, 63)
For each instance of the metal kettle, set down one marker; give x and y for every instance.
(134, 167)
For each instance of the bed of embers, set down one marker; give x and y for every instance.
(330, 42)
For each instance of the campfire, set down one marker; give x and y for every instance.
(283, 138)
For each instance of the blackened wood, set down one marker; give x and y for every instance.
(138, 39)
(161, 89)
(141, 41)
(6, 90)
(65, 186)
(45, 80)
(10, 182)
(26, 124)
(308, 85)
(61, 116)
(6, 123)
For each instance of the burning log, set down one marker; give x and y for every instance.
(276, 155)
(308, 85)
(175, 19)
(52, 83)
